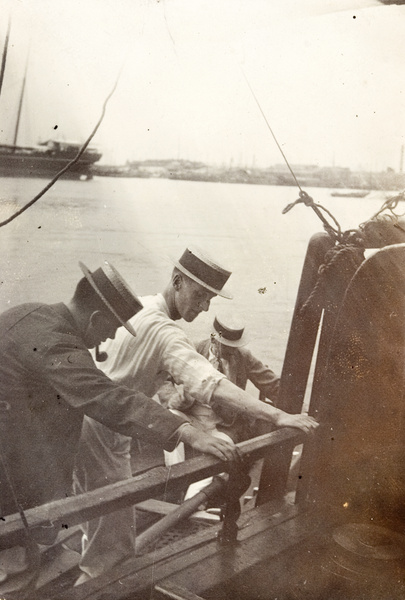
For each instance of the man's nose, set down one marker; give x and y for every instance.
(112, 335)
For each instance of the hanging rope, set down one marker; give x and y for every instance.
(270, 129)
(71, 163)
(334, 232)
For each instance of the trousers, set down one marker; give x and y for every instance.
(103, 458)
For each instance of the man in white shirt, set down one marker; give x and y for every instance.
(160, 349)
(226, 350)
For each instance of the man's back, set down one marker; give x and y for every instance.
(39, 428)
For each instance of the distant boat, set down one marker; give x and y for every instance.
(47, 158)
(349, 194)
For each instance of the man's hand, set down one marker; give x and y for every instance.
(203, 442)
(301, 421)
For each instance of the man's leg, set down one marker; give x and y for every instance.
(104, 457)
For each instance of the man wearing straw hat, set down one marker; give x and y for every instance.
(48, 382)
(226, 351)
(162, 349)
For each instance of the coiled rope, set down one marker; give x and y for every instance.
(340, 264)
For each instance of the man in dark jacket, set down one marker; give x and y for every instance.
(49, 381)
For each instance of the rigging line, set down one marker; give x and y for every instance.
(304, 197)
(168, 28)
(70, 163)
(4, 57)
(270, 129)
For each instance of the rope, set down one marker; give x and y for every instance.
(390, 204)
(341, 262)
(334, 232)
(304, 198)
(269, 128)
(70, 163)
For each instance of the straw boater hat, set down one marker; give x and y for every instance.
(114, 292)
(202, 269)
(229, 332)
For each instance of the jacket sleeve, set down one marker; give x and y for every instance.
(69, 370)
(261, 376)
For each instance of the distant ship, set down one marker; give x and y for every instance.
(47, 158)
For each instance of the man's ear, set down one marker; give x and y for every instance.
(96, 318)
(177, 281)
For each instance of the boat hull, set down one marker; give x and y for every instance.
(19, 161)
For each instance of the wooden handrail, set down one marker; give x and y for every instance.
(62, 514)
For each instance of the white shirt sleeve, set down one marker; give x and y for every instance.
(188, 367)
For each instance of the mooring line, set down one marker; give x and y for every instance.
(269, 127)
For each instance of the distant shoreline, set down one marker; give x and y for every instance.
(307, 175)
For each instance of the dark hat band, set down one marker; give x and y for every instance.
(233, 335)
(114, 297)
(213, 275)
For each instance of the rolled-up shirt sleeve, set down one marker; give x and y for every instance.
(187, 367)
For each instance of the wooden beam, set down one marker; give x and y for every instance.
(164, 508)
(77, 509)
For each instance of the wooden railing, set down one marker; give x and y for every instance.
(63, 514)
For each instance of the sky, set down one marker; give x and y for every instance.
(328, 75)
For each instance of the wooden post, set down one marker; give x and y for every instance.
(297, 362)
(238, 483)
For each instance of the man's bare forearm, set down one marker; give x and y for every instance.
(228, 395)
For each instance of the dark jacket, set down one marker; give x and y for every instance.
(48, 381)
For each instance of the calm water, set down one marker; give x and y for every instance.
(138, 224)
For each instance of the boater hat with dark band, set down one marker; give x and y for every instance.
(114, 292)
(204, 270)
(229, 332)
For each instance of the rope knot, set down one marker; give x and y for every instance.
(305, 198)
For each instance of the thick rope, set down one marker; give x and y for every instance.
(341, 262)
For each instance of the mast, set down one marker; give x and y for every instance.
(4, 57)
(17, 125)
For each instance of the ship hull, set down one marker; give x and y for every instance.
(26, 162)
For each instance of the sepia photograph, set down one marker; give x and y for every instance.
(202, 300)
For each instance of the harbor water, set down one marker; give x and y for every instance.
(139, 225)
